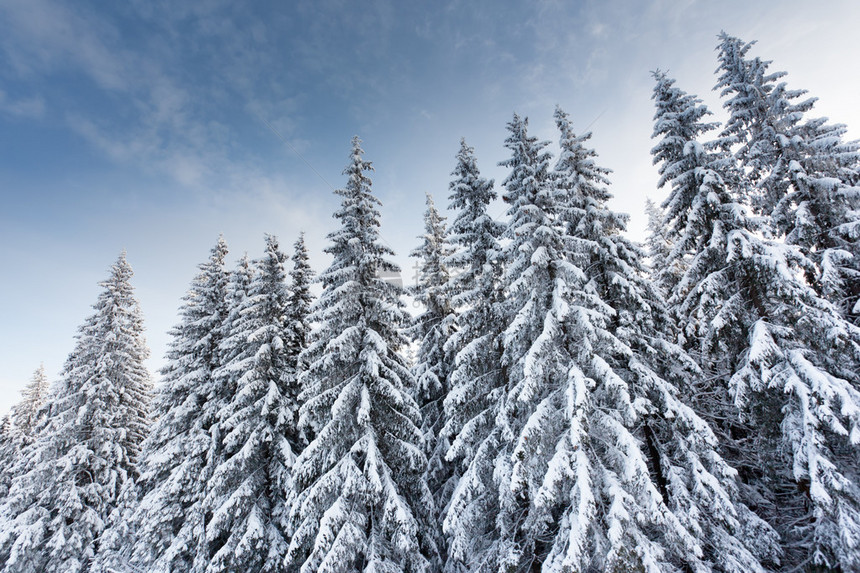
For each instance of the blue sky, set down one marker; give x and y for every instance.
(144, 125)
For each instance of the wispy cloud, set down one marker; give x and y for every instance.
(25, 108)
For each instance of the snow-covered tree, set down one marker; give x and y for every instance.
(361, 495)
(804, 173)
(25, 414)
(658, 247)
(780, 362)
(248, 490)
(20, 429)
(476, 381)
(182, 448)
(764, 116)
(88, 448)
(299, 307)
(430, 330)
(678, 122)
(8, 454)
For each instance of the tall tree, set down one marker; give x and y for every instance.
(359, 482)
(248, 490)
(88, 449)
(182, 448)
(780, 360)
(802, 170)
(430, 330)
(475, 379)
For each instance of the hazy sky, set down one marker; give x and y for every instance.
(144, 125)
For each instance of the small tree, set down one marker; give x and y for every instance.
(299, 311)
(20, 429)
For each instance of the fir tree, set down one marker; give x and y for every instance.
(248, 489)
(360, 492)
(182, 448)
(88, 448)
(782, 365)
(431, 330)
(475, 379)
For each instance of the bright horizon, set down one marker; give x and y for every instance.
(154, 128)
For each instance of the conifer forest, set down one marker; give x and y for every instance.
(566, 401)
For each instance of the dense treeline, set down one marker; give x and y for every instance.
(574, 402)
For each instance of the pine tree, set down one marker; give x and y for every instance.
(430, 330)
(360, 492)
(803, 172)
(781, 363)
(89, 446)
(475, 379)
(182, 448)
(248, 490)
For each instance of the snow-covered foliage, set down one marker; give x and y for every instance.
(361, 501)
(247, 493)
(298, 310)
(476, 380)
(26, 413)
(8, 454)
(658, 247)
(804, 174)
(19, 429)
(432, 369)
(782, 365)
(183, 445)
(96, 417)
(600, 465)
(576, 403)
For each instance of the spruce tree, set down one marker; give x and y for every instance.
(299, 310)
(20, 429)
(180, 453)
(475, 379)
(658, 247)
(430, 330)
(97, 415)
(8, 454)
(248, 490)
(803, 172)
(25, 414)
(781, 364)
(359, 482)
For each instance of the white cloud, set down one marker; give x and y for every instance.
(26, 108)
